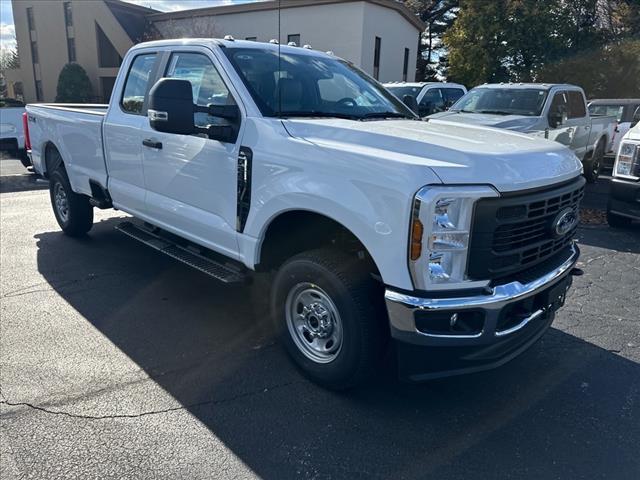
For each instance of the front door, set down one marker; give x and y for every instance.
(191, 180)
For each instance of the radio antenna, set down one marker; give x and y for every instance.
(279, 67)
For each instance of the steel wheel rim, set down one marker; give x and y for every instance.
(61, 202)
(314, 323)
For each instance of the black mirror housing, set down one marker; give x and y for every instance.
(171, 106)
(555, 119)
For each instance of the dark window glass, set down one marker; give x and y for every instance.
(252, 39)
(308, 85)
(68, 16)
(503, 101)
(294, 38)
(71, 48)
(607, 110)
(137, 83)
(400, 91)
(108, 56)
(30, 20)
(376, 58)
(451, 95)
(39, 95)
(577, 108)
(206, 84)
(34, 52)
(432, 102)
(405, 65)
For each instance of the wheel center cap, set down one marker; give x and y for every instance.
(318, 320)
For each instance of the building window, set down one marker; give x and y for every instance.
(294, 38)
(34, 52)
(252, 39)
(30, 21)
(71, 49)
(108, 56)
(405, 65)
(376, 58)
(39, 95)
(137, 84)
(68, 16)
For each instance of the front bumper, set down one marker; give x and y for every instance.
(496, 326)
(624, 198)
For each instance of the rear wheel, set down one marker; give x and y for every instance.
(331, 317)
(593, 165)
(73, 212)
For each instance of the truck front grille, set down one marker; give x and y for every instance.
(515, 232)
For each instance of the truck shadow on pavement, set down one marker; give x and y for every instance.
(564, 409)
(22, 183)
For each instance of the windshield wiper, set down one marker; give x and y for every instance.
(462, 111)
(386, 115)
(313, 114)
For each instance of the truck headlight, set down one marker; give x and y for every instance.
(440, 233)
(624, 166)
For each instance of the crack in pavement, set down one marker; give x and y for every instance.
(152, 412)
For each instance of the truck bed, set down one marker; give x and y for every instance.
(76, 131)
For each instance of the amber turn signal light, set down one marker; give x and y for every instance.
(416, 239)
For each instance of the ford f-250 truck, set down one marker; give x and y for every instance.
(554, 111)
(452, 242)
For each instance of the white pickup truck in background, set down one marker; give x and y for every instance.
(453, 241)
(554, 111)
(11, 130)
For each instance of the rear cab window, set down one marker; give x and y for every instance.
(136, 88)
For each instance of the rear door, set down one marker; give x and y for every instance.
(578, 123)
(191, 180)
(122, 131)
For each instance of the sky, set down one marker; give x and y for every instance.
(7, 30)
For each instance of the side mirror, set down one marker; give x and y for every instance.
(171, 106)
(410, 101)
(425, 109)
(555, 119)
(636, 117)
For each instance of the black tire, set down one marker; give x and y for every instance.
(24, 158)
(617, 221)
(593, 166)
(361, 311)
(78, 219)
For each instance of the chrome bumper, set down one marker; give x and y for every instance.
(402, 309)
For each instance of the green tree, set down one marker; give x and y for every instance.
(74, 85)
(611, 71)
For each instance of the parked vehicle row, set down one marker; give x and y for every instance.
(426, 98)
(553, 111)
(624, 110)
(452, 241)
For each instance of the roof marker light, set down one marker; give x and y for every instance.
(308, 47)
(229, 38)
(274, 41)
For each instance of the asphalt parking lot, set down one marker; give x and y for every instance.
(116, 362)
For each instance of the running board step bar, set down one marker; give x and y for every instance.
(217, 270)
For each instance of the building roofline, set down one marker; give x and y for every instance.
(273, 5)
(133, 7)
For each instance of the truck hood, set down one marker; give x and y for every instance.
(457, 154)
(516, 123)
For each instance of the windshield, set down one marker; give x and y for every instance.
(503, 101)
(306, 85)
(401, 91)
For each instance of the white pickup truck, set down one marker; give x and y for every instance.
(554, 111)
(454, 242)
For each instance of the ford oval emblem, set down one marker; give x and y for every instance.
(566, 220)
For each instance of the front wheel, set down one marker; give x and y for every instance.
(331, 317)
(593, 165)
(73, 212)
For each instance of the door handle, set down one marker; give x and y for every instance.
(147, 142)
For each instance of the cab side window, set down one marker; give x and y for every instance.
(137, 84)
(577, 108)
(451, 95)
(559, 103)
(206, 84)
